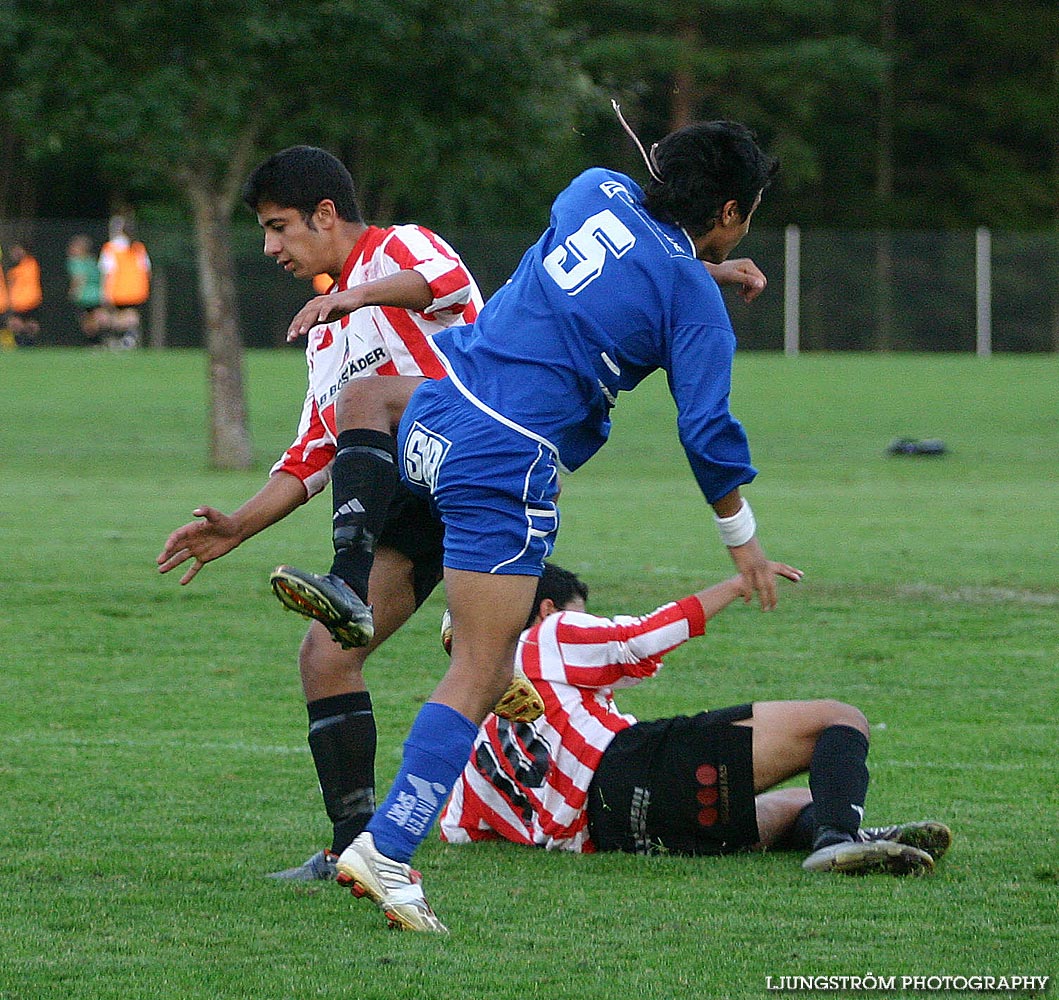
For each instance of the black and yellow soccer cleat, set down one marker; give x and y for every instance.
(327, 599)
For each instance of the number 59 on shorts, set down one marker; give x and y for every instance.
(424, 451)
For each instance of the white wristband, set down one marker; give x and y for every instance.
(739, 528)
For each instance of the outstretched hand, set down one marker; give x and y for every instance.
(717, 597)
(205, 540)
(322, 309)
(759, 574)
(772, 570)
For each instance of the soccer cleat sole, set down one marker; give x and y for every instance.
(407, 918)
(521, 702)
(299, 596)
(871, 857)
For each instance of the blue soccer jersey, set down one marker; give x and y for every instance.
(605, 297)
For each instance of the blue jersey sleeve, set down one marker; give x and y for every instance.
(699, 370)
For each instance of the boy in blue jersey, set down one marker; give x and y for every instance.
(614, 289)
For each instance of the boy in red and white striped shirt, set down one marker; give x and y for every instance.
(408, 284)
(587, 777)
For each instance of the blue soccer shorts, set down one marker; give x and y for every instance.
(494, 486)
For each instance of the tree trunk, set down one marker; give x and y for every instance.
(884, 184)
(1055, 228)
(684, 98)
(229, 437)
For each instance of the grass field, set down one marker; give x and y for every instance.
(152, 739)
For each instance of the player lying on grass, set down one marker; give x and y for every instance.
(586, 777)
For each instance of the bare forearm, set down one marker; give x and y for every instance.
(716, 598)
(729, 504)
(282, 494)
(215, 533)
(405, 290)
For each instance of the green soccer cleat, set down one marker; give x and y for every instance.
(394, 887)
(327, 599)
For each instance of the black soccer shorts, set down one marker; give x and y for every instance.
(683, 785)
(412, 529)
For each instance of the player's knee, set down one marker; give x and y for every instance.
(321, 659)
(373, 403)
(839, 713)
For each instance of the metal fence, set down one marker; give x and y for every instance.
(958, 290)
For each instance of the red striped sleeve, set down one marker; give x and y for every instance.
(414, 340)
(696, 616)
(311, 453)
(451, 290)
(599, 652)
(449, 281)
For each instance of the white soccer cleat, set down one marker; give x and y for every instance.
(394, 887)
(858, 857)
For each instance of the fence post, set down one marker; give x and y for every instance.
(983, 259)
(792, 244)
(159, 309)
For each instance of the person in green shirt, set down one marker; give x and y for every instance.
(85, 288)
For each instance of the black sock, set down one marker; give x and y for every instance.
(799, 836)
(363, 480)
(342, 741)
(838, 779)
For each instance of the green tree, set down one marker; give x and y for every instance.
(470, 117)
(977, 114)
(798, 71)
(186, 96)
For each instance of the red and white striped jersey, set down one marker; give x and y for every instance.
(376, 340)
(529, 783)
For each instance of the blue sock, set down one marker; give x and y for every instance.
(435, 753)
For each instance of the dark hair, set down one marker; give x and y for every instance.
(301, 177)
(558, 585)
(703, 166)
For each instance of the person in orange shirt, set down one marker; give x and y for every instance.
(24, 295)
(126, 271)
